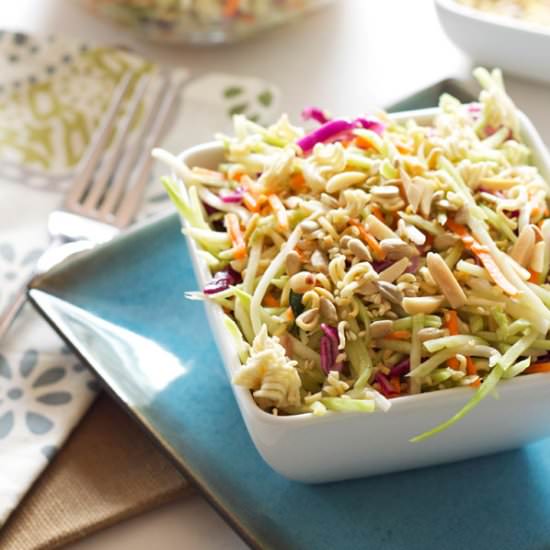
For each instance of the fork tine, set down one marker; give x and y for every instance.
(128, 162)
(90, 160)
(135, 190)
(108, 165)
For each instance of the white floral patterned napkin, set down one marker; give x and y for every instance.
(52, 93)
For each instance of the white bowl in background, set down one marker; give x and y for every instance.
(497, 41)
(339, 446)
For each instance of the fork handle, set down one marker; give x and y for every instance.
(14, 307)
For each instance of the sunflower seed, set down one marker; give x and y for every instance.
(390, 292)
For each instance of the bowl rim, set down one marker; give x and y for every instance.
(401, 404)
(503, 21)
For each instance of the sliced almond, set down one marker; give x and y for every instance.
(445, 280)
(390, 274)
(522, 251)
(359, 250)
(385, 191)
(293, 262)
(433, 157)
(537, 259)
(379, 229)
(379, 329)
(424, 304)
(429, 333)
(411, 233)
(444, 241)
(395, 249)
(427, 197)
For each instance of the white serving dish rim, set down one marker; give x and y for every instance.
(503, 21)
(401, 404)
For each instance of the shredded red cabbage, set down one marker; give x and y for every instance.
(314, 113)
(413, 266)
(336, 128)
(326, 354)
(235, 196)
(331, 332)
(381, 265)
(542, 359)
(222, 280)
(209, 209)
(385, 386)
(329, 349)
(324, 133)
(401, 368)
(371, 124)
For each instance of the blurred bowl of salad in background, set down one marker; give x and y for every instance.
(200, 21)
(511, 34)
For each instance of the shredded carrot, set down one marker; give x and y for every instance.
(363, 143)
(403, 148)
(369, 239)
(396, 383)
(538, 367)
(208, 173)
(250, 202)
(270, 300)
(289, 314)
(297, 182)
(534, 278)
(231, 7)
(238, 175)
(252, 187)
(471, 369)
(457, 228)
(484, 256)
(236, 235)
(492, 268)
(399, 335)
(279, 211)
(377, 211)
(451, 324)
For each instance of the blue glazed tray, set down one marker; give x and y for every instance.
(121, 308)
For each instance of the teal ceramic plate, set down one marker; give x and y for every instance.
(121, 308)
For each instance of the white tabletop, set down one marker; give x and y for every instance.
(351, 57)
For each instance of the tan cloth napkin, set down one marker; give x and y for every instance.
(108, 471)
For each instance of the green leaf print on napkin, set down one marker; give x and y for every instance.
(51, 104)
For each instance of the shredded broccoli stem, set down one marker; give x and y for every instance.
(269, 274)
(426, 367)
(348, 405)
(487, 386)
(519, 347)
(416, 350)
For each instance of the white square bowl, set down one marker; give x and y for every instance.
(497, 41)
(339, 446)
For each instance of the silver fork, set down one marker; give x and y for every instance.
(107, 190)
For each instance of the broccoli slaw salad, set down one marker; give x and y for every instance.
(371, 258)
